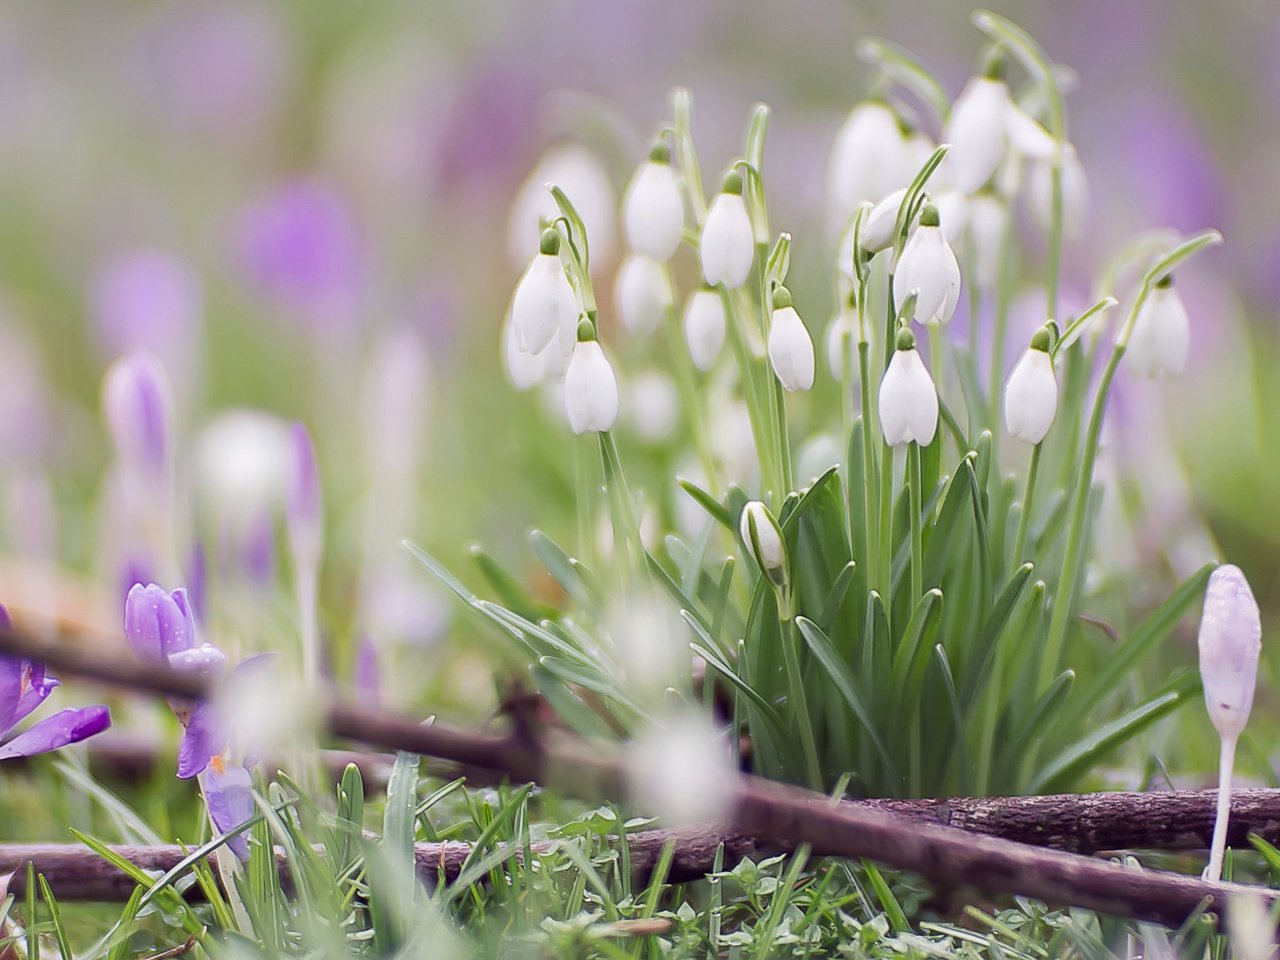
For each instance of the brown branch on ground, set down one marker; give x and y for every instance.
(754, 807)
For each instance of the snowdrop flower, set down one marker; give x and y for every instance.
(590, 388)
(544, 299)
(728, 246)
(642, 293)
(869, 159)
(1161, 335)
(908, 397)
(790, 348)
(840, 342)
(653, 406)
(928, 268)
(681, 770)
(704, 327)
(877, 228)
(652, 210)
(524, 370)
(1230, 641)
(953, 212)
(1031, 395)
(1075, 193)
(988, 222)
(763, 539)
(579, 172)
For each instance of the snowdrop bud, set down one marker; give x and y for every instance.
(1161, 335)
(135, 399)
(1230, 640)
(642, 293)
(544, 298)
(763, 539)
(976, 129)
(877, 229)
(728, 245)
(790, 348)
(652, 210)
(1031, 395)
(868, 159)
(704, 327)
(840, 342)
(590, 388)
(928, 267)
(908, 397)
(524, 370)
(1075, 193)
(988, 221)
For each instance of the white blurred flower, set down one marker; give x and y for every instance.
(1161, 335)
(1031, 395)
(524, 370)
(953, 212)
(869, 159)
(841, 346)
(929, 269)
(728, 245)
(976, 132)
(269, 710)
(908, 397)
(590, 389)
(704, 327)
(1075, 193)
(651, 643)
(242, 462)
(790, 347)
(642, 293)
(988, 222)
(821, 452)
(653, 211)
(581, 175)
(653, 406)
(544, 300)
(681, 770)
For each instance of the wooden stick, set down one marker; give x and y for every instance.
(753, 806)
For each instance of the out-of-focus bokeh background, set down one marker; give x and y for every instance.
(304, 208)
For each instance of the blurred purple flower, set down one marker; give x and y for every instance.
(228, 794)
(301, 249)
(368, 671)
(23, 687)
(139, 412)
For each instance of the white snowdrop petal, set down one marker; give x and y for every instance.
(543, 300)
(840, 343)
(590, 390)
(988, 221)
(704, 327)
(728, 246)
(755, 517)
(1031, 397)
(653, 211)
(928, 267)
(1026, 136)
(908, 400)
(1230, 641)
(868, 159)
(976, 131)
(1161, 337)
(791, 350)
(642, 293)
(953, 208)
(524, 369)
(579, 172)
(1075, 193)
(877, 228)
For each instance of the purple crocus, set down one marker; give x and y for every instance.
(23, 687)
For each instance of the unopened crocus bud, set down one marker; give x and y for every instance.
(544, 298)
(642, 293)
(1031, 395)
(590, 387)
(1161, 335)
(704, 327)
(1230, 641)
(1075, 193)
(157, 624)
(728, 246)
(929, 269)
(763, 538)
(790, 347)
(652, 210)
(136, 401)
(303, 504)
(868, 159)
(908, 397)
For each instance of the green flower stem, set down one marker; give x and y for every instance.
(917, 533)
(1028, 495)
(584, 486)
(795, 681)
(747, 365)
(621, 507)
(777, 401)
(868, 461)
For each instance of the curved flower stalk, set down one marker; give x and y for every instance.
(1230, 641)
(24, 685)
(929, 269)
(582, 175)
(653, 210)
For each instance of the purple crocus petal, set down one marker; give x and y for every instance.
(203, 740)
(368, 672)
(138, 409)
(36, 687)
(205, 660)
(10, 692)
(5, 622)
(302, 500)
(181, 635)
(146, 300)
(197, 579)
(155, 623)
(228, 793)
(63, 728)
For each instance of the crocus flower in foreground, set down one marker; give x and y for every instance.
(908, 397)
(23, 687)
(1230, 641)
(728, 246)
(1161, 336)
(1031, 395)
(929, 269)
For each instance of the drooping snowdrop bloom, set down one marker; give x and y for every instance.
(868, 159)
(1031, 395)
(929, 269)
(1075, 193)
(908, 397)
(728, 246)
(704, 327)
(763, 539)
(976, 130)
(590, 387)
(988, 223)
(652, 210)
(544, 298)
(1161, 335)
(578, 171)
(642, 293)
(1230, 641)
(790, 347)
(524, 370)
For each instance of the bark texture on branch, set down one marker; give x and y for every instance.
(754, 807)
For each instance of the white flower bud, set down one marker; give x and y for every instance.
(1230, 641)
(1031, 395)
(763, 538)
(868, 159)
(1161, 335)
(728, 245)
(790, 347)
(652, 210)
(590, 389)
(976, 132)
(988, 221)
(877, 228)
(928, 268)
(840, 343)
(642, 293)
(704, 327)
(1075, 193)
(908, 397)
(544, 298)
